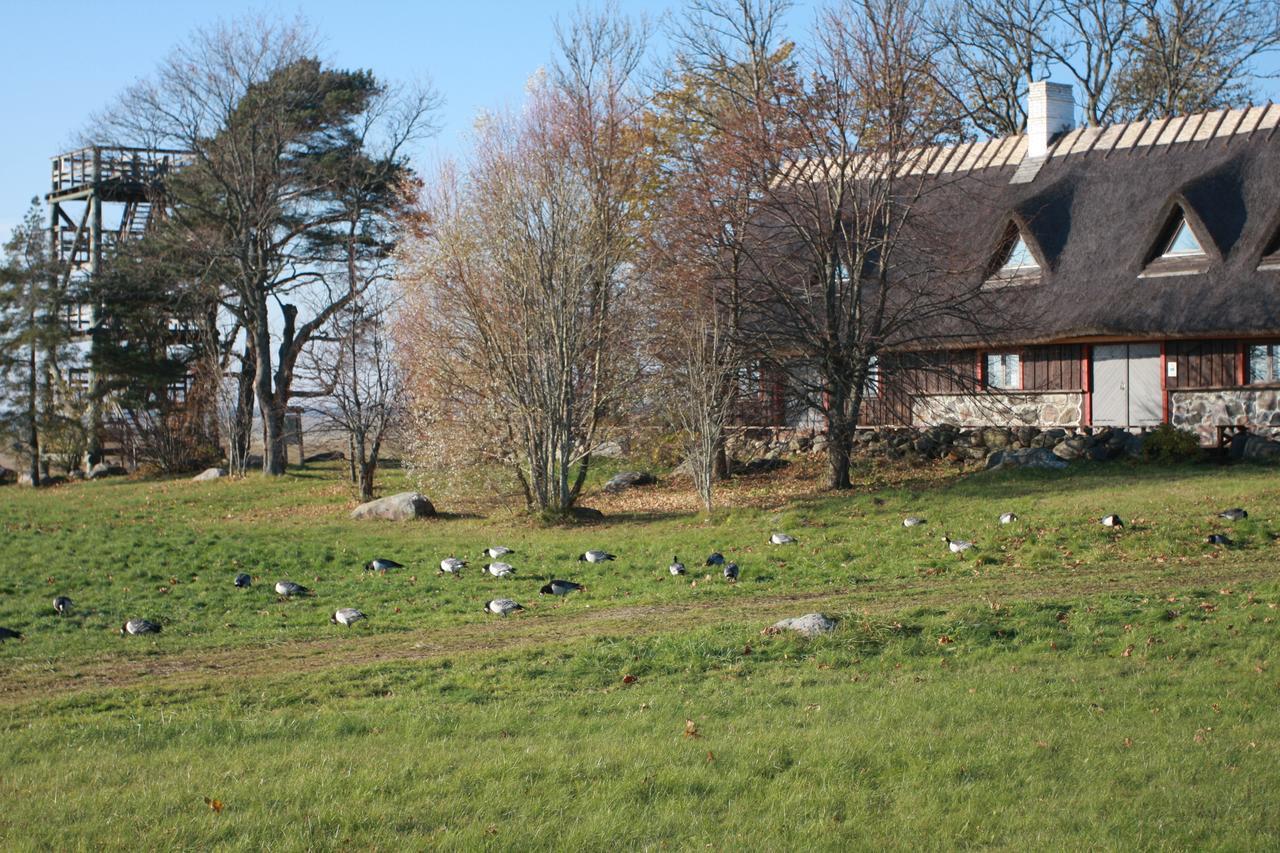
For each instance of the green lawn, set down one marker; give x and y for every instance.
(1062, 686)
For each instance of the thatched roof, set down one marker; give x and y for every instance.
(1095, 210)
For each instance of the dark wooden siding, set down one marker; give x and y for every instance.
(1203, 364)
(1052, 368)
(903, 377)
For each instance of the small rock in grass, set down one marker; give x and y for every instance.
(809, 625)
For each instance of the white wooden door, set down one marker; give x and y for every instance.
(1111, 385)
(1146, 400)
(1126, 385)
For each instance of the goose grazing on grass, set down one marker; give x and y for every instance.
(346, 616)
(1112, 521)
(561, 588)
(140, 626)
(1218, 539)
(496, 552)
(782, 539)
(731, 572)
(243, 580)
(957, 546)
(716, 559)
(1233, 514)
(913, 521)
(1008, 518)
(595, 556)
(381, 565)
(502, 606)
(677, 567)
(62, 605)
(288, 589)
(500, 570)
(9, 634)
(452, 566)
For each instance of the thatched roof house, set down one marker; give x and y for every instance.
(1143, 258)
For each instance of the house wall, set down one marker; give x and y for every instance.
(1044, 409)
(1053, 368)
(1203, 412)
(929, 388)
(1203, 364)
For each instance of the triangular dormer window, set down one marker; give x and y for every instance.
(1014, 262)
(1183, 243)
(1179, 248)
(1020, 260)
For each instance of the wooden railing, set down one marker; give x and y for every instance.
(96, 164)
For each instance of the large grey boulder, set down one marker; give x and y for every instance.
(1258, 449)
(1029, 457)
(210, 474)
(627, 480)
(808, 625)
(24, 479)
(402, 507)
(102, 469)
(996, 438)
(1072, 448)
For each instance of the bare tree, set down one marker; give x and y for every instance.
(700, 365)
(1196, 55)
(516, 339)
(289, 157)
(991, 50)
(1128, 59)
(361, 379)
(838, 252)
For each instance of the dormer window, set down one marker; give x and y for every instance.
(1179, 248)
(842, 271)
(1271, 255)
(1014, 262)
(1183, 243)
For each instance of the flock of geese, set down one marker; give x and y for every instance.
(498, 568)
(451, 565)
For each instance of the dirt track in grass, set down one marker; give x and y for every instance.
(53, 679)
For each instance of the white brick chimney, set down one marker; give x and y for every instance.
(1051, 109)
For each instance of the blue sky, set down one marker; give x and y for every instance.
(478, 53)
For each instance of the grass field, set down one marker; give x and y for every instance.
(1061, 686)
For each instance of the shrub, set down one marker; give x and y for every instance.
(1167, 443)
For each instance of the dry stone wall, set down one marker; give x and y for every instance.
(1203, 412)
(972, 410)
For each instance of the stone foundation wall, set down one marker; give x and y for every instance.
(1204, 411)
(1056, 409)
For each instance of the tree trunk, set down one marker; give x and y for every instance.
(839, 439)
(242, 427)
(720, 467)
(367, 470)
(274, 453)
(271, 408)
(838, 457)
(33, 432)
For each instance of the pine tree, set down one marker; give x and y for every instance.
(33, 339)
